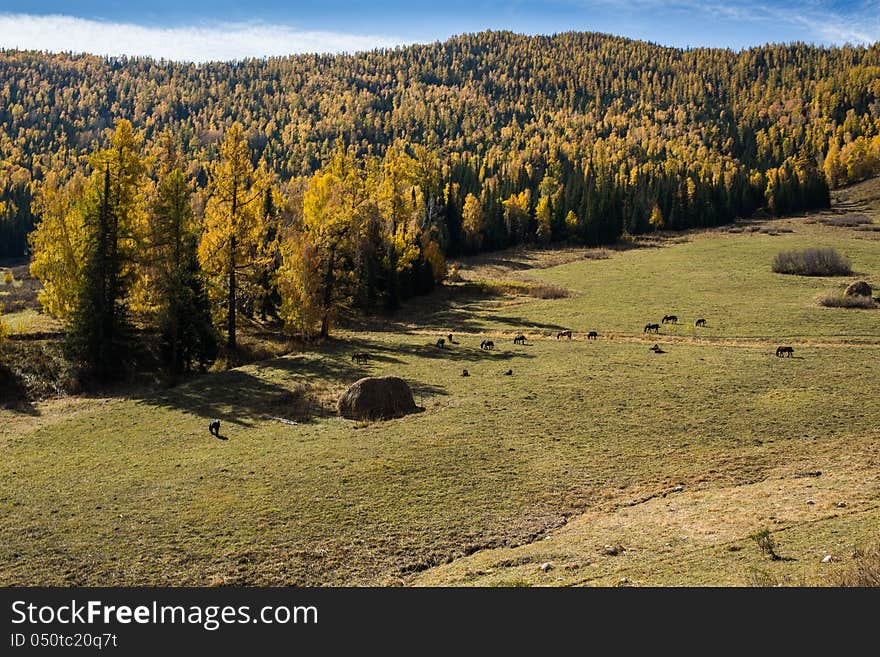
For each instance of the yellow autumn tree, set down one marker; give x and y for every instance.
(4, 330)
(433, 254)
(656, 218)
(230, 238)
(299, 284)
(516, 215)
(544, 215)
(472, 221)
(571, 223)
(58, 243)
(315, 276)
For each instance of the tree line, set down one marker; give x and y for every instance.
(136, 244)
(179, 197)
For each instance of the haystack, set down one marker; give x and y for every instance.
(858, 289)
(377, 398)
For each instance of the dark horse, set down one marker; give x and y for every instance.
(700, 322)
(671, 319)
(487, 345)
(649, 328)
(214, 428)
(564, 334)
(360, 357)
(592, 335)
(785, 351)
(520, 339)
(441, 343)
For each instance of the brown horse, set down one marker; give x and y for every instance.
(487, 345)
(671, 319)
(652, 328)
(564, 334)
(519, 339)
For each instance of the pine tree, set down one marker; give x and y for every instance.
(98, 333)
(185, 324)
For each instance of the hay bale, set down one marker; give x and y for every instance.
(858, 289)
(377, 398)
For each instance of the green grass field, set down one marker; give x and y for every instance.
(677, 457)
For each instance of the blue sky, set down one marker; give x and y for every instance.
(199, 30)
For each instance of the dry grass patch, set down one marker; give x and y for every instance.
(866, 569)
(837, 299)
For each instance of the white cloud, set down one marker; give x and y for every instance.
(195, 43)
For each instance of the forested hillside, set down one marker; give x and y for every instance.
(604, 127)
(294, 187)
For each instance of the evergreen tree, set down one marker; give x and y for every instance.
(98, 334)
(184, 319)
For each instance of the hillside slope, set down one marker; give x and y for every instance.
(581, 442)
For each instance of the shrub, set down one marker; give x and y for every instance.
(548, 292)
(812, 262)
(837, 299)
(766, 543)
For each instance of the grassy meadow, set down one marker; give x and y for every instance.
(673, 460)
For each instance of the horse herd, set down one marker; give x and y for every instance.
(488, 345)
(671, 319)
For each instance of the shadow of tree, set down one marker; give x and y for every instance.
(460, 352)
(237, 397)
(520, 322)
(14, 393)
(243, 396)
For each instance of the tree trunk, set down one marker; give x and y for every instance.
(328, 294)
(230, 317)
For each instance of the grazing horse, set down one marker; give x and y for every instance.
(508, 373)
(360, 357)
(592, 335)
(700, 322)
(464, 373)
(652, 328)
(441, 343)
(487, 345)
(670, 319)
(785, 351)
(520, 339)
(657, 350)
(214, 428)
(564, 334)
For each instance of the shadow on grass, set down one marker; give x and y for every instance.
(243, 396)
(519, 322)
(14, 394)
(463, 352)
